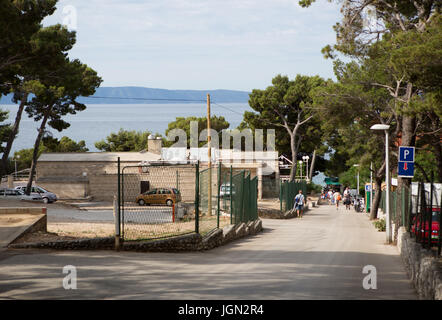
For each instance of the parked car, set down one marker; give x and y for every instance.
(38, 193)
(417, 226)
(11, 193)
(167, 196)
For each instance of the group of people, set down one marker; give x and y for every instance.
(334, 198)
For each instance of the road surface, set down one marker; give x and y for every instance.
(321, 256)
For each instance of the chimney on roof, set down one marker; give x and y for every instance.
(154, 145)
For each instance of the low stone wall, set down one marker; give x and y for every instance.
(424, 268)
(189, 242)
(266, 213)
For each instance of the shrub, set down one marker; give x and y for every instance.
(380, 225)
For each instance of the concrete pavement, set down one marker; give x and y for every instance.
(318, 257)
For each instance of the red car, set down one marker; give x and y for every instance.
(435, 226)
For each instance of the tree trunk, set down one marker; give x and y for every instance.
(312, 166)
(377, 198)
(4, 162)
(35, 152)
(438, 155)
(294, 157)
(404, 184)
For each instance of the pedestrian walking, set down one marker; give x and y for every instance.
(330, 196)
(337, 197)
(299, 203)
(347, 199)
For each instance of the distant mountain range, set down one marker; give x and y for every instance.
(141, 95)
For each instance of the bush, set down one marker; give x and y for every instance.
(313, 188)
(380, 225)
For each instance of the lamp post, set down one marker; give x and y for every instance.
(385, 128)
(305, 158)
(371, 187)
(17, 157)
(356, 165)
(300, 163)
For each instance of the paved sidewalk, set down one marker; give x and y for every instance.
(318, 257)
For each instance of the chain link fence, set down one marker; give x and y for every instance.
(157, 201)
(161, 200)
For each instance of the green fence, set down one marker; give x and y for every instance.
(288, 191)
(159, 200)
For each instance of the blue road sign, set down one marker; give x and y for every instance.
(367, 187)
(406, 169)
(406, 154)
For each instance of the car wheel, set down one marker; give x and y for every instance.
(45, 200)
(141, 202)
(169, 202)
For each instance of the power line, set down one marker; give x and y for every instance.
(163, 99)
(227, 108)
(146, 99)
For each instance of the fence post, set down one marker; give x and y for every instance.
(197, 191)
(219, 193)
(430, 214)
(117, 223)
(117, 210)
(231, 195)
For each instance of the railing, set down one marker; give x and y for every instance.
(22, 175)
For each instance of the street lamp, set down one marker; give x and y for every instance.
(300, 163)
(356, 165)
(385, 128)
(17, 157)
(305, 158)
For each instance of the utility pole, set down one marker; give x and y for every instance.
(209, 153)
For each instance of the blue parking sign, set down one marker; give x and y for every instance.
(405, 169)
(406, 154)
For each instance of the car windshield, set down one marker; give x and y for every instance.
(176, 191)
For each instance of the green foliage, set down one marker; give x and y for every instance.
(24, 158)
(65, 144)
(49, 144)
(313, 188)
(380, 224)
(124, 140)
(286, 107)
(349, 178)
(5, 128)
(216, 123)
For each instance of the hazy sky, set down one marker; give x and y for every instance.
(199, 44)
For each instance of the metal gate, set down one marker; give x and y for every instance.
(157, 200)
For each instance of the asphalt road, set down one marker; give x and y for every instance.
(321, 256)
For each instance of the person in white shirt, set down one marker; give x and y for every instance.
(337, 197)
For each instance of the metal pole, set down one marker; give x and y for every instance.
(231, 195)
(358, 181)
(209, 153)
(117, 211)
(387, 194)
(197, 202)
(218, 197)
(371, 186)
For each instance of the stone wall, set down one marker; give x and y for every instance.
(424, 268)
(190, 242)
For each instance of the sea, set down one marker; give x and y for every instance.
(99, 120)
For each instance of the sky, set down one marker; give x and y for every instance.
(199, 44)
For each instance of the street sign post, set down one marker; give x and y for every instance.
(406, 162)
(406, 169)
(406, 154)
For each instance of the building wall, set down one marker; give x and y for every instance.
(81, 179)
